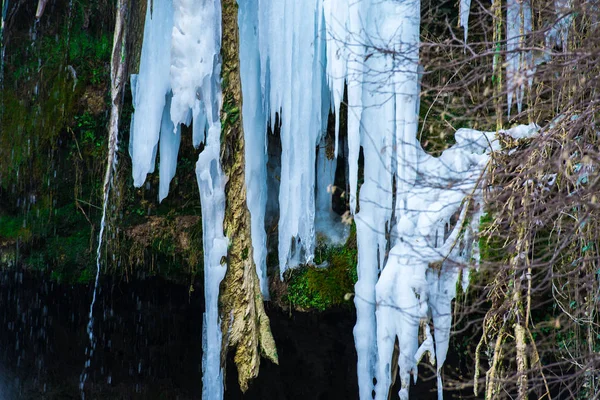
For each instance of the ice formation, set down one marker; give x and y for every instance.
(559, 32)
(151, 87)
(465, 8)
(519, 62)
(179, 80)
(255, 131)
(297, 58)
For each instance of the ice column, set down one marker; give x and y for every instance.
(151, 86)
(292, 52)
(195, 37)
(170, 138)
(179, 79)
(465, 9)
(336, 14)
(255, 130)
(211, 184)
(519, 63)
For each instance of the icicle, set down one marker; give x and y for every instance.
(327, 223)
(169, 149)
(357, 40)
(193, 53)
(336, 19)
(211, 184)
(519, 63)
(406, 81)
(563, 7)
(152, 85)
(465, 10)
(289, 32)
(255, 131)
(40, 9)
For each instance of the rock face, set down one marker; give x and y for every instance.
(245, 325)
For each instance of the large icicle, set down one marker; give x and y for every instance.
(151, 87)
(519, 63)
(194, 44)
(255, 130)
(338, 39)
(292, 63)
(211, 184)
(169, 149)
(356, 56)
(465, 10)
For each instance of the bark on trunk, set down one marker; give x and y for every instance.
(245, 325)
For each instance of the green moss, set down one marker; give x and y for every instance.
(328, 285)
(11, 228)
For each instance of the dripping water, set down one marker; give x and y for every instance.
(117, 79)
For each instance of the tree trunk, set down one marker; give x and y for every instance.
(245, 325)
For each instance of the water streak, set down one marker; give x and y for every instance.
(118, 68)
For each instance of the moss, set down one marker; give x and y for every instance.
(322, 287)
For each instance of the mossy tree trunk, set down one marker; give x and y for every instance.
(245, 325)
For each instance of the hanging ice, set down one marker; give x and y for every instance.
(193, 54)
(338, 36)
(519, 62)
(179, 80)
(255, 130)
(170, 137)
(211, 184)
(465, 8)
(296, 61)
(559, 32)
(327, 223)
(151, 87)
(292, 53)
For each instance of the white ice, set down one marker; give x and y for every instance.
(465, 10)
(296, 60)
(292, 53)
(170, 138)
(255, 130)
(195, 38)
(559, 32)
(519, 62)
(152, 85)
(211, 184)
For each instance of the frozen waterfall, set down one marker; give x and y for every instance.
(297, 58)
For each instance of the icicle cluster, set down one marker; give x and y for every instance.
(559, 32)
(519, 62)
(179, 81)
